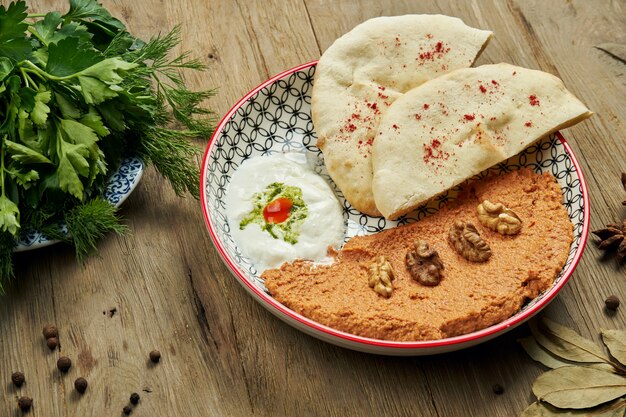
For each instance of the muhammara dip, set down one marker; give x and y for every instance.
(470, 296)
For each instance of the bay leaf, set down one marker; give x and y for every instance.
(541, 409)
(578, 387)
(566, 343)
(615, 340)
(541, 355)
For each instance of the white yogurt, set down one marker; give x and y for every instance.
(322, 227)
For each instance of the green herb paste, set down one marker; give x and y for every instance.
(289, 230)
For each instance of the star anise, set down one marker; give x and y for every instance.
(613, 237)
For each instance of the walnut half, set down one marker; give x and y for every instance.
(380, 277)
(424, 264)
(466, 240)
(499, 218)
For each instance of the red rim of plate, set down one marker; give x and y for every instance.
(347, 337)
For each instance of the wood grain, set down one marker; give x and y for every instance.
(223, 354)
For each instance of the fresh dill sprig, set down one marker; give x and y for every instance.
(166, 150)
(7, 243)
(89, 222)
(170, 87)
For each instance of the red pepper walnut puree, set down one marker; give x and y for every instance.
(470, 296)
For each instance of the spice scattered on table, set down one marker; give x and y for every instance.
(64, 364)
(612, 302)
(612, 238)
(52, 343)
(25, 403)
(134, 398)
(50, 331)
(127, 410)
(155, 356)
(18, 378)
(498, 389)
(81, 385)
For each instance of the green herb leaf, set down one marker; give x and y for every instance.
(78, 133)
(93, 120)
(90, 9)
(68, 57)
(13, 42)
(73, 156)
(24, 154)
(40, 111)
(6, 66)
(45, 29)
(615, 340)
(23, 177)
(578, 387)
(9, 216)
(72, 30)
(113, 116)
(566, 343)
(95, 91)
(68, 110)
(109, 70)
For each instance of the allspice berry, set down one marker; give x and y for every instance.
(50, 331)
(18, 378)
(25, 403)
(612, 302)
(64, 364)
(52, 343)
(155, 356)
(81, 385)
(134, 398)
(127, 410)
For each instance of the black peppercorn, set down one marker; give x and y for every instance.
(612, 302)
(52, 343)
(134, 398)
(155, 356)
(64, 364)
(18, 379)
(50, 331)
(127, 410)
(25, 403)
(498, 389)
(81, 385)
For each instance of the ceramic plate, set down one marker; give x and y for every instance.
(119, 186)
(275, 118)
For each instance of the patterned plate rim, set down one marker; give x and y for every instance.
(279, 308)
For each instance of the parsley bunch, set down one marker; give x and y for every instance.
(77, 94)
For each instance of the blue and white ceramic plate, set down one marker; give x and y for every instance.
(119, 186)
(274, 118)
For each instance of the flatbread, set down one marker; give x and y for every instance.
(455, 126)
(364, 72)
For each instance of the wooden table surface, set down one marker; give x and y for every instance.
(164, 286)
